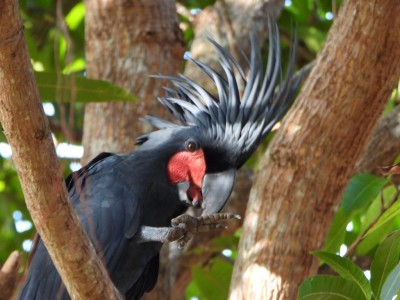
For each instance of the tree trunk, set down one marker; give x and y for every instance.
(383, 146)
(9, 275)
(39, 170)
(126, 41)
(309, 162)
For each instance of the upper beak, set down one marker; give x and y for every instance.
(217, 187)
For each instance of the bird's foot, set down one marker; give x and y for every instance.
(185, 227)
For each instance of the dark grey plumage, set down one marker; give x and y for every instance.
(237, 123)
(117, 196)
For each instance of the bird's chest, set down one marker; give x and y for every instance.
(161, 205)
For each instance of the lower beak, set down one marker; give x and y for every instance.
(217, 187)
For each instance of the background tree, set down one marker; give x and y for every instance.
(128, 34)
(26, 127)
(126, 48)
(310, 161)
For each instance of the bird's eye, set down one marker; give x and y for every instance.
(191, 146)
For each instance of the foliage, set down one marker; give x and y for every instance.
(361, 191)
(351, 282)
(56, 44)
(211, 281)
(370, 204)
(56, 52)
(55, 87)
(12, 201)
(324, 287)
(348, 271)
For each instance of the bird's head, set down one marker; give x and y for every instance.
(214, 135)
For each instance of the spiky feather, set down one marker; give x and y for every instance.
(237, 123)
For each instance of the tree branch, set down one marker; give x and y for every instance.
(382, 148)
(311, 159)
(9, 276)
(384, 145)
(126, 44)
(39, 170)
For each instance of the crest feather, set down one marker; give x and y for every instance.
(234, 121)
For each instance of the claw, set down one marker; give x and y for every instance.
(183, 241)
(193, 225)
(176, 232)
(220, 216)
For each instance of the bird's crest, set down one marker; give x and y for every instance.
(235, 122)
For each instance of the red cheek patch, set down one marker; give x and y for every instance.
(189, 167)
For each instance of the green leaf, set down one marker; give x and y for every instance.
(375, 209)
(385, 259)
(313, 38)
(362, 189)
(301, 10)
(72, 88)
(78, 65)
(337, 231)
(374, 238)
(387, 217)
(360, 192)
(347, 270)
(324, 287)
(75, 16)
(212, 281)
(391, 287)
(382, 228)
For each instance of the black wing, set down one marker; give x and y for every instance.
(107, 208)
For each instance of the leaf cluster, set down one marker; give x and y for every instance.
(352, 282)
(371, 205)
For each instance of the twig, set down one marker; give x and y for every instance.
(358, 240)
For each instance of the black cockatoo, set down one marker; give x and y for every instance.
(126, 202)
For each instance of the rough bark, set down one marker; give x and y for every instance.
(384, 145)
(382, 148)
(39, 170)
(9, 276)
(126, 42)
(309, 162)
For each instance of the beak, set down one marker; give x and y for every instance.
(217, 187)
